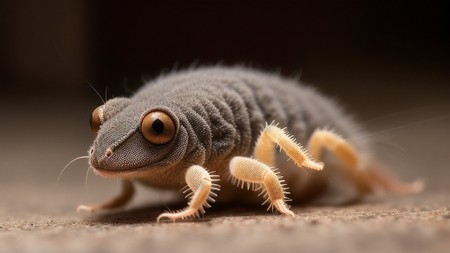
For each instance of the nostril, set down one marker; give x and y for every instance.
(109, 152)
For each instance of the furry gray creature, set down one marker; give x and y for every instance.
(198, 128)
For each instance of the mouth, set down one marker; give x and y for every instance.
(131, 173)
(114, 173)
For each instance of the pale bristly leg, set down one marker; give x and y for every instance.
(366, 177)
(124, 198)
(379, 180)
(260, 176)
(325, 139)
(258, 173)
(202, 184)
(273, 135)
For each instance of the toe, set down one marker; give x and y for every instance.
(89, 209)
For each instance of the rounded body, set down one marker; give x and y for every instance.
(222, 112)
(219, 113)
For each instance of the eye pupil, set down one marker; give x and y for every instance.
(158, 127)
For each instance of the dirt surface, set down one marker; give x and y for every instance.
(36, 215)
(413, 224)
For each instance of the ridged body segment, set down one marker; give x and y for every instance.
(219, 113)
(225, 110)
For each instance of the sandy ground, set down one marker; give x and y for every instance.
(36, 215)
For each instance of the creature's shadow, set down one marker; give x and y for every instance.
(149, 213)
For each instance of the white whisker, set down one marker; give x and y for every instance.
(106, 94)
(68, 164)
(404, 126)
(96, 92)
(73, 72)
(86, 178)
(390, 143)
(413, 111)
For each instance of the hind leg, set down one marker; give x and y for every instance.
(380, 180)
(366, 178)
(121, 200)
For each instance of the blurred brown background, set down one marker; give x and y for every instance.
(353, 49)
(376, 57)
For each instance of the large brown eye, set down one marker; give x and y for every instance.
(158, 128)
(96, 119)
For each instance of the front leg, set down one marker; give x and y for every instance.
(261, 176)
(124, 198)
(201, 183)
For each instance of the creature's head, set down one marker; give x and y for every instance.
(134, 138)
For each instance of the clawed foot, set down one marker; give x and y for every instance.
(89, 209)
(182, 214)
(121, 200)
(282, 207)
(202, 185)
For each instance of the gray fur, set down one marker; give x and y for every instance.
(219, 114)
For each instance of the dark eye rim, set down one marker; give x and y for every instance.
(169, 113)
